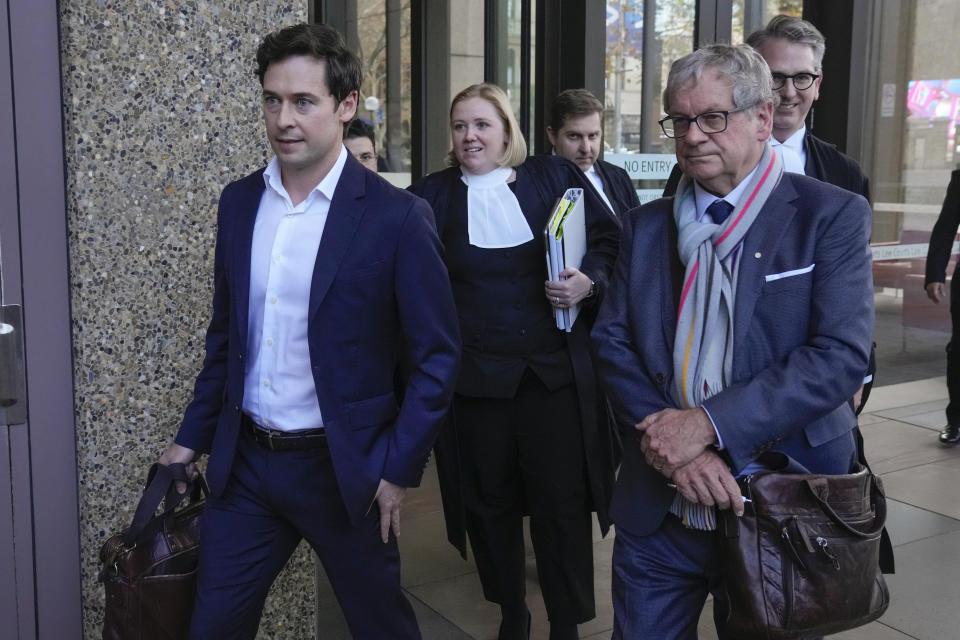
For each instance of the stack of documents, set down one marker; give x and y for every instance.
(566, 241)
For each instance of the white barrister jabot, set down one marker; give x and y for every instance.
(494, 218)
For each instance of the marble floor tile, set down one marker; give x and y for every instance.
(425, 553)
(906, 523)
(933, 420)
(893, 446)
(873, 631)
(866, 419)
(930, 486)
(923, 592)
(460, 600)
(907, 393)
(909, 409)
(426, 497)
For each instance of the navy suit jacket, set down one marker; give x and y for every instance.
(380, 297)
(801, 340)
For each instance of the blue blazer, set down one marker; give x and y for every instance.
(380, 298)
(801, 341)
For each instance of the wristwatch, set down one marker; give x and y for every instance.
(593, 289)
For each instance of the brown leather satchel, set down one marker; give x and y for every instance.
(149, 570)
(805, 558)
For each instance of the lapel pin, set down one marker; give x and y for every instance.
(756, 255)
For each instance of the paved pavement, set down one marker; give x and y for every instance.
(922, 480)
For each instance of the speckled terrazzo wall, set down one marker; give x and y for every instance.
(161, 111)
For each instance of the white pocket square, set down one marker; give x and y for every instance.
(786, 274)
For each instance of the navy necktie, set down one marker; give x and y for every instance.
(719, 210)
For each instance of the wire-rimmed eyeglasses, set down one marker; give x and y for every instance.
(710, 122)
(800, 81)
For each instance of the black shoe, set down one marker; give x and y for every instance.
(514, 629)
(950, 435)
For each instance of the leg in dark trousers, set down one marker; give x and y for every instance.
(272, 501)
(953, 358)
(950, 434)
(520, 454)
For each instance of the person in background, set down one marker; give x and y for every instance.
(737, 324)
(528, 431)
(576, 133)
(360, 140)
(794, 50)
(938, 255)
(326, 279)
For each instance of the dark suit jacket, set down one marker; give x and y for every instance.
(617, 186)
(380, 293)
(801, 341)
(827, 163)
(943, 234)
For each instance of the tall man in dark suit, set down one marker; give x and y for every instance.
(938, 255)
(794, 49)
(325, 279)
(737, 323)
(576, 133)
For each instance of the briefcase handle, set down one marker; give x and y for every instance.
(161, 487)
(816, 486)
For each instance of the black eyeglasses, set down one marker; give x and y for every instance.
(801, 81)
(710, 122)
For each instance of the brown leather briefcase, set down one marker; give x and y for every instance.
(804, 559)
(149, 570)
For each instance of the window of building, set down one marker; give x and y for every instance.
(643, 39)
(909, 148)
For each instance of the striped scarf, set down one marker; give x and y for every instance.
(703, 346)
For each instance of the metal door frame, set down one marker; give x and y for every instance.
(40, 591)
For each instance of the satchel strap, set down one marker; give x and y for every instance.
(161, 487)
(816, 486)
(887, 563)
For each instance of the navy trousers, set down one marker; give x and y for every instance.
(271, 502)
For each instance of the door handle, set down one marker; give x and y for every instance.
(13, 399)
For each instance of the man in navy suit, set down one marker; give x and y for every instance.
(326, 279)
(738, 322)
(576, 133)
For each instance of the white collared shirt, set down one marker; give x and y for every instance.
(704, 198)
(791, 151)
(279, 389)
(598, 183)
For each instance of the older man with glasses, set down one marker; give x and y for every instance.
(794, 50)
(737, 324)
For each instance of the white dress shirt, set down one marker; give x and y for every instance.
(279, 390)
(792, 151)
(598, 183)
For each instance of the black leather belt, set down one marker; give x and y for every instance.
(275, 440)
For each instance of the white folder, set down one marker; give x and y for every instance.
(565, 236)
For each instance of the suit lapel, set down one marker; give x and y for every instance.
(246, 217)
(346, 210)
(758, 250)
